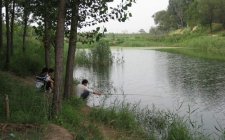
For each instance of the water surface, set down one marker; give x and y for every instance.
(164, 79)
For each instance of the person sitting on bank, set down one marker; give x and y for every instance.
(83, 91)
(42, 79)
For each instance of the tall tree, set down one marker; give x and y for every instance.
(26, 14)
(1, 31)
(44, 13)
(47, 32)
(207, 12)
(164, 21)
(12, 26)
(7, 34)
(58, 85)
(71, 50)
(91, 13)
(178, 9)
(219, 12)
(193, 14)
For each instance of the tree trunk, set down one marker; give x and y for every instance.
(12, 26)
(1, 31)
(58, 85)
(7, 110)
(210, 26)
(47, 36)
(7, 35)
(25, 18)
(223, 25)
(47, 56)
(71, 52)
(47, 43)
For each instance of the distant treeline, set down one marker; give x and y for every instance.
(190, 13)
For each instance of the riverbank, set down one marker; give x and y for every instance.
(198, 44)
(29, 115)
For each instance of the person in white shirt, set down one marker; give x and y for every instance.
(83, 91)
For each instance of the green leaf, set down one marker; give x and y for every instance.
(124, 8)
(130, 14)
(97, 29)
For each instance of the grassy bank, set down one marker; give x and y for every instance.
(28, 106)
(199, 44)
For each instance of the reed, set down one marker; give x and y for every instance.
(148, 123)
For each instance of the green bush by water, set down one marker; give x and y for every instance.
(99, 55)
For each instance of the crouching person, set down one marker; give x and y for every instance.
(42, 79)
(83, 91)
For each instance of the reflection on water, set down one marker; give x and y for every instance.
(165, 80)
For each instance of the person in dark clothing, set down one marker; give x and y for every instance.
(50, 83)
(42, 79)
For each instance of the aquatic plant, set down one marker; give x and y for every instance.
(149, 123)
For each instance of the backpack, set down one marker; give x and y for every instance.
(41, 81)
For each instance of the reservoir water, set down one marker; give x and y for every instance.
(168, 81)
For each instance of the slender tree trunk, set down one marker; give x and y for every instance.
(71, 52)
(47, 36)
(224, 25)
(7, 35)
(210, 26)
(26, 14)
(47, 56)
(12, 27)
(58, 85)
(1, 30)
(47, 43)
(24, 35)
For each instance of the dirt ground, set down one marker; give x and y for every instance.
(51, 132)
(55, 132)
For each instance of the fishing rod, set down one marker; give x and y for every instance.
(129, 94)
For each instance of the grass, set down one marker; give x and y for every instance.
(147, 123)
(24, 101)
(28, 106)
(195, 44)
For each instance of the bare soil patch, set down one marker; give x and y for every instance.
(55, 132)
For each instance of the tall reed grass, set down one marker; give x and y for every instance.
(149, 123)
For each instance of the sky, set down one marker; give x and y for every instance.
(142, 12)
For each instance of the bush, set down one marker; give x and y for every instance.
(99, 55)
